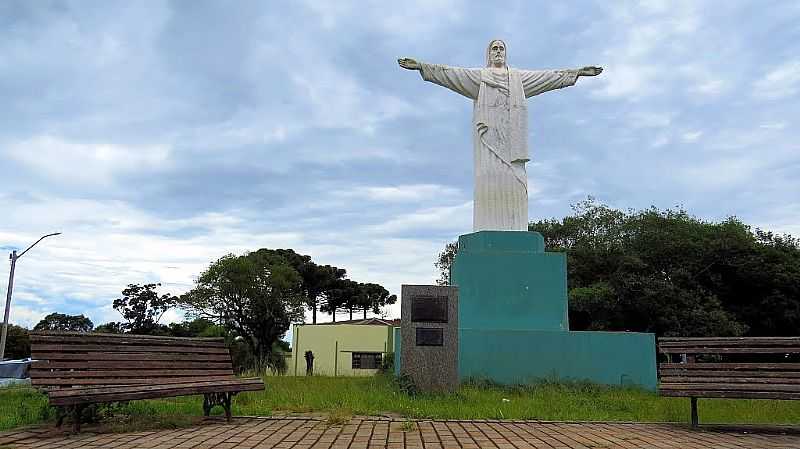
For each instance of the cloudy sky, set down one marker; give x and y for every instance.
(159, 136)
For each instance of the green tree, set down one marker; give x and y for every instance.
(351, 295)
(374, 297)
(255, 296)
(667, 272)
(142, 308)
(198, 327)
(66, 323)
(316, 279)
(342, 294)
(18, 342)
(112, 327)
(444, 262)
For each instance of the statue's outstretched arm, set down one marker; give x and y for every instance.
(590, 71)
(458, 79)
(409, 64)
(535, 82)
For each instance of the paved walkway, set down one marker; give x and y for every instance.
(367, 433)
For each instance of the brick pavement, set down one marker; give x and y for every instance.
(369, 433)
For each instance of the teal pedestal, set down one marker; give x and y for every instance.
(514, 325)
(507, 281)
(526, 356)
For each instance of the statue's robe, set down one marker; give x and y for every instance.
(500, 135)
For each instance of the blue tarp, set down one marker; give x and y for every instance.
(15, 369)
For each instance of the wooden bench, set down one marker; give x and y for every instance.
(734, 367)
(78, 369)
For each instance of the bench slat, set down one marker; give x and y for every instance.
(91, 395)
(147, 394)
(129, 348)
(159, 373)
(102, 390)
(733, 366)
(128, 381)
(731, 387)
(126, 339)
(728, 380)
(729, 394)
(723, 373)
(136, 364)
(729, 340)
(124, 356)
(722, 350)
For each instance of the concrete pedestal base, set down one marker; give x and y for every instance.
(507, 281)
(527, 356)
(513, 319)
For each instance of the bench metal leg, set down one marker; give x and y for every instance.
(227, 405)
(60, 414)
(76, 416)
(210, 400)
(694, 413)
(207, 405)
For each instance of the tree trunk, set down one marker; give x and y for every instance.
(333, 314)
(351, 314)
(314, 313)
(365, 313)
(258, 352)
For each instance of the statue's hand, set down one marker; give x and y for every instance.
(408, 63)
(590, 71)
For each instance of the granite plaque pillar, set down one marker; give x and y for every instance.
(429, 333)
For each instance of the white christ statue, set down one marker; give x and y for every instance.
(500, 129)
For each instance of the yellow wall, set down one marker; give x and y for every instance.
(325, 339)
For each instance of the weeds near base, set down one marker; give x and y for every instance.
(338, 417)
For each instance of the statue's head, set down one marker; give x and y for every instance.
(496, 54)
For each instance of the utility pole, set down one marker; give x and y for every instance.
(13, 256)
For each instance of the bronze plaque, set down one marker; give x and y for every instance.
(429, 309)
(430, 336)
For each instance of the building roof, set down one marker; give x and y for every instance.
(367, 322)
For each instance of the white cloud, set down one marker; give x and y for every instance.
(338, 101)
(710, 87)
(703, 79)
(408, 20)
(403, 193)
(449, 218)
(727, 173)
(660, 141)
(626, 80)
(691, 136)
(25, 316)
(650, 119)
(654, 49)
(107, 245)
(172, 316)
(780, 82)
(773, 125)
(70, 162)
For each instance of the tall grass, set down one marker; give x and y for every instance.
(21, 406)
(379, 395)
(546, 401)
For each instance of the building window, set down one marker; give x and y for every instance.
(366, 360)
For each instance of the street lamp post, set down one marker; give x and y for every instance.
(13, 256)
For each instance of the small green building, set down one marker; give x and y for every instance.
(345, 348)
